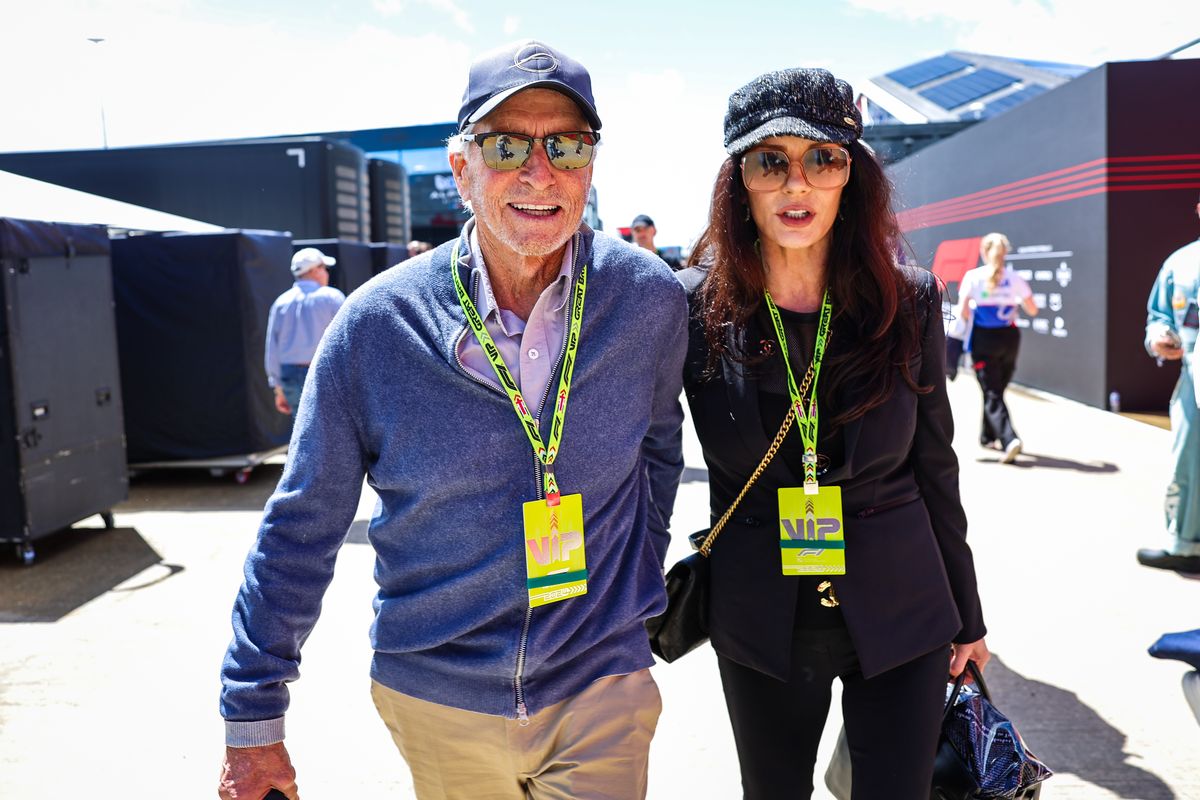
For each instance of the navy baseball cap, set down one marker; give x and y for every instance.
(498, 75)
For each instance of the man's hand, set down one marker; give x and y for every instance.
(974, 651)
(281, 403)
(1166, 347)
(250, 772)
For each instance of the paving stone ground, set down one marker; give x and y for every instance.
(110, 643)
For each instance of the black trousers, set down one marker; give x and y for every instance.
(994, 354)
(892, 720)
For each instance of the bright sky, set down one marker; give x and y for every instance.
(188, 70)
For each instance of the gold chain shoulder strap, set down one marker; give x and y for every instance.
(706, 546)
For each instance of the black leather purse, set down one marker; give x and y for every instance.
(980, 754)
(684, 625)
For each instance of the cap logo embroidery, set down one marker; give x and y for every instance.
(531, 58)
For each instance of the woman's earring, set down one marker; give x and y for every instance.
(747, 213)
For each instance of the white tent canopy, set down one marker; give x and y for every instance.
(26, 198)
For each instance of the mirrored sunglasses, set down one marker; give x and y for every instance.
(825, 166)
(505, 151)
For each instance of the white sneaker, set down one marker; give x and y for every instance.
(1191, 690)
(1011, 452)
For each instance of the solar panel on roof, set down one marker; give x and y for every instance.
(927, 70)
(954, 93)
(1003, 104)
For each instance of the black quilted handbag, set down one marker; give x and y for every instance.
(980, 754)
(684, 625)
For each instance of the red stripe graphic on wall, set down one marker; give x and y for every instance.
(1118, 174)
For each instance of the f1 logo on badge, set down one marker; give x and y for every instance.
(549, 549)
(811, 529)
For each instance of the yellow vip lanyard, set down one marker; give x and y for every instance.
(806, 420)
(546, 455)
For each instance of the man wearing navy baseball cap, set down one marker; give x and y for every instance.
(513, 398)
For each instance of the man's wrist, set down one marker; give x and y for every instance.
(258, 733)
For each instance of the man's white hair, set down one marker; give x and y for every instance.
(456, 144)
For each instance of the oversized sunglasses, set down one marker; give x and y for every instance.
(825, 166)
(569, 150)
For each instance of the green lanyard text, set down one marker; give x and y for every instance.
(544, 454)
(806, 419)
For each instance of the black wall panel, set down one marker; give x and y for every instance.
(1054, 176)
(312, 188)
(388, 183)
(385, 255)
(192, 315)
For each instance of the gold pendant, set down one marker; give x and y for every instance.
(831, 601)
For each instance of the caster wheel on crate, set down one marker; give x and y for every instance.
(242, 476)
(107, 518)
(26, 553)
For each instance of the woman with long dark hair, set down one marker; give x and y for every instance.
(848, 557)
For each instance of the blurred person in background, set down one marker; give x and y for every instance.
(643, 231)
(416, 247)
(989, 299)
(295, 325)
(1172, 321)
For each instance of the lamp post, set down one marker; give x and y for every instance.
(103, 123)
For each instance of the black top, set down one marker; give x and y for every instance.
(910, 584)
(800, 330)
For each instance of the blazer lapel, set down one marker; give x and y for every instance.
(850, 433)
(743, 405)
(742, 392)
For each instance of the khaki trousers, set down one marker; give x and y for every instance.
(594, 745)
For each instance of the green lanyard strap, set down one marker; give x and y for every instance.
(546, 455)
(805, 421)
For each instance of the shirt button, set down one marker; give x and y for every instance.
(533, 353)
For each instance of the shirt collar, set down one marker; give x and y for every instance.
(485, 298)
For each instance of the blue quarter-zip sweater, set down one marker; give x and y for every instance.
(387, 397)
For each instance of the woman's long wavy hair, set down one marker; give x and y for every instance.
(873, 305)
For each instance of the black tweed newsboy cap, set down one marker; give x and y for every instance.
(805, 102)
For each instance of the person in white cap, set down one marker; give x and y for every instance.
(297, 321)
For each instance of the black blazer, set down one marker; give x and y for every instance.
(910, 580)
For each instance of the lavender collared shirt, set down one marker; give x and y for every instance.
(529, 347)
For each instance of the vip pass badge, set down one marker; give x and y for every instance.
(554, 546)
(811, 534)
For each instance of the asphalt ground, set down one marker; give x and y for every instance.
(110, 643)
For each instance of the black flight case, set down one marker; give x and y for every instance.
(62, 437)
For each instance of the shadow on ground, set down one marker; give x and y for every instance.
(1029, 460)
(74, 567)
(1069, 736)
(197, 490)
